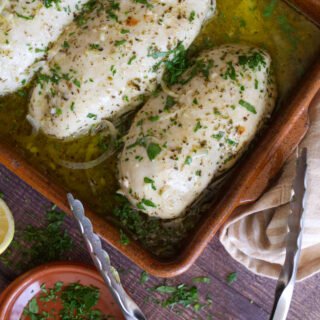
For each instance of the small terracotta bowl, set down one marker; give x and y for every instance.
(17, 296)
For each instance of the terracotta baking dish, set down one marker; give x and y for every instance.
(250, 179)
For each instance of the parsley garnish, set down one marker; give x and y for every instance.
(201, 280)
(77, 302)
(153, 149)
(24, 17)
(92, 116)
(188, 160)
(192, 15)
(88, 7)
(231, 142)
(132, 59)
(95, 46)
(198, 126)
(144, 277)
(154, 118)
(124, 239)
(218, 136)
(176, 65)
(230, 72)
(170, 102)
(114, 6)
(232, 277)
(65, 45)
(145, 2)
(180, 295)
(119, 43)
(150, 181)
(49, 3)
(248, 106)
(148, 203)
(253, 61)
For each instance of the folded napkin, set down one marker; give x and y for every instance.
(255, 237)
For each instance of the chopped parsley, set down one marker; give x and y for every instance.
(114, 6)
(198, 126)
(49, 3)
(119, 43)
(248, 106)
(55, 76)
(232, 277)
(24, 17)
(154, 118)
(92, 116)
(170, 102)
(188, 160)
(65, 45)
(144, 277)
(153, 150)
(132, 59)
(77, 302)
(231, 142)
(77, 83)
(253, 61)
(230, 72)
(201, 280)
(150, 181)
(148, 203)
(218, 136)
(179, 295)
(175, 61)
(124, 239)
(145, 2)
(192, 16)
(95, 46)
(88, 7)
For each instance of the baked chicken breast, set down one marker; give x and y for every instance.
(27, 27)
(105, 62)
(180, 141)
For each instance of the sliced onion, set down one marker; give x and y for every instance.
(34, 124)
(105, 127)
(86, 165)
(105, 124)
(166, 89)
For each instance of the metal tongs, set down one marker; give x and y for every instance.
(102, 262)
(287, 278)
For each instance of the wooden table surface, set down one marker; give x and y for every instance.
(249, 298)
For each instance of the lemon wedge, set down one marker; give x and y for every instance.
(6, 226)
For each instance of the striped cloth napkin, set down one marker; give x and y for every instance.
(255, 237)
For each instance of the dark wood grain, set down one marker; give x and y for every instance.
(249, 298)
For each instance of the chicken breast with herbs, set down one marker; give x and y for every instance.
(178, 144)
(109, 59)
(26, 29)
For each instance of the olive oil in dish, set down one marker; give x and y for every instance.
(291, 40)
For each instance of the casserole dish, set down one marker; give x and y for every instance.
(249, 178)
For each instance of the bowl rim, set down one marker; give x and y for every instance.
(12, 292)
